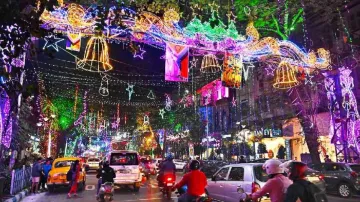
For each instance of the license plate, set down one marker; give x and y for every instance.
(169, 184)
(312, 179)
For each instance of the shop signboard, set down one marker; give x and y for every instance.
(269, 132)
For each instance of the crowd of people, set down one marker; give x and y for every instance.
(39, 174)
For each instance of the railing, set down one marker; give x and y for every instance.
(20, 179)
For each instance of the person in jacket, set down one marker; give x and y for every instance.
(196, 182)
(242, 159)
(75, 178)
(98, 176)
(107, 173)
(301, 189)
(45, 170)
(277, 183)
(166, 168)
(35, 175)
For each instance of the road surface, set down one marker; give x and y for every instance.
(148, 192)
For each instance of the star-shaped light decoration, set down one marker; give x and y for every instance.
(139, 53)
(52, 42)
(233, 102)
(193, 63)
(214, 6)
(308, 78)
(114, 125)
(270, 71)
(231, 15)
(130, 90)
(162, 113)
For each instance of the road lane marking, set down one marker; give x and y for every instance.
(90, 187)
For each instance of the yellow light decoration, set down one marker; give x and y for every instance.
(210, 64)
(171, 16)
(76, 14)
(269, 42)
(312, 58)
(325, 55)
(251, 31)
(60, 2)
(231, 75)
(96, 56)
(285, 76)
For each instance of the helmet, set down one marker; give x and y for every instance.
(106, 164)
(169, 157)
(297, 170)
(272, 166)
(194, 165)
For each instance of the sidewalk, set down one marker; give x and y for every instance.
(18, 196)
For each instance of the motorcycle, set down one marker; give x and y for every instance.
(243, 196)
(202, 198)
(106, 192)
(167, 184)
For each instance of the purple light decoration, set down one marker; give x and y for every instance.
(7, 135)
(269, 70)
(218, 91)
(83, 113)
(140, 53)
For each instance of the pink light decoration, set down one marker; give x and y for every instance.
(177, 62)
(83, 113)
(217, 90)
(7, 135)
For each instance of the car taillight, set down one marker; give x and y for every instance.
(255, 187)
(354, 174)
(321, 177)
(169, 179)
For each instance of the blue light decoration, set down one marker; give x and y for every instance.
(206, 115)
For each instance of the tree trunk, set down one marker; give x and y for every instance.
(311, 138)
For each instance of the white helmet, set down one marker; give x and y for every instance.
(272, 166)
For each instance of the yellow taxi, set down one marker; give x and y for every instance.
(59, 169)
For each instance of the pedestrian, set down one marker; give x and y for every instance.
(301, 189)
(327, 159)
(35, 175)
(242, 159)
(45, 172)
(277, 184)
(75, 178)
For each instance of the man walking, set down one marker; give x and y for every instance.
(35, 174)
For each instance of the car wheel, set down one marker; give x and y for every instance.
(344, 190)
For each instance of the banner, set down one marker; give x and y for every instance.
(73, 42)
(177, 62)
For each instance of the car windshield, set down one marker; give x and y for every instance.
(62, 164)
(124, 159)
(260, 174)
(355, 168)
(94, 160)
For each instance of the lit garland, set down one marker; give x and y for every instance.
(6, 131)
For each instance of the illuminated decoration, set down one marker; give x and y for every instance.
(96, 56)
(76, 99)
(139, 53)
(6, 124)
(270, 70)
(171, 16)
(210, 64)
(349, 100)
(151, 95)
(162, 113)
(193, 63)
(217, 92)
(308, 77)
(233, 102)
(52, 42)
(146, 119)
(130, 90)
(231, 75)
(83, 113)
(177, 62)
(245, 70)
(60, 2)
(76, 16)
(73, 42)
(104, 86)
(285, 77)
(168, 102)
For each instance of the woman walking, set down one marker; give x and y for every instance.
(75, 178)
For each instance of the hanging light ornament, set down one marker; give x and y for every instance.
(76, 14)
(285, 77)
(210, 64)
(96, 56)
(231, 75)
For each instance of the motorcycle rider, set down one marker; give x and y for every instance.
(166, 168)
(277, 184)
(107, 174)
(196, 182)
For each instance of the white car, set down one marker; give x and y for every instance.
(126, 165)
(179, 164)
(93, 163)
(157, 162)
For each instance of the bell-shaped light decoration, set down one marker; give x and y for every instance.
(96, 56)
(210, 64)
(285, 77)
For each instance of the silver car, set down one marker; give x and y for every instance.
(251, 177)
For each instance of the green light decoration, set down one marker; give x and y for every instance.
(66, 116)
(178, 127)
(214, 29)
